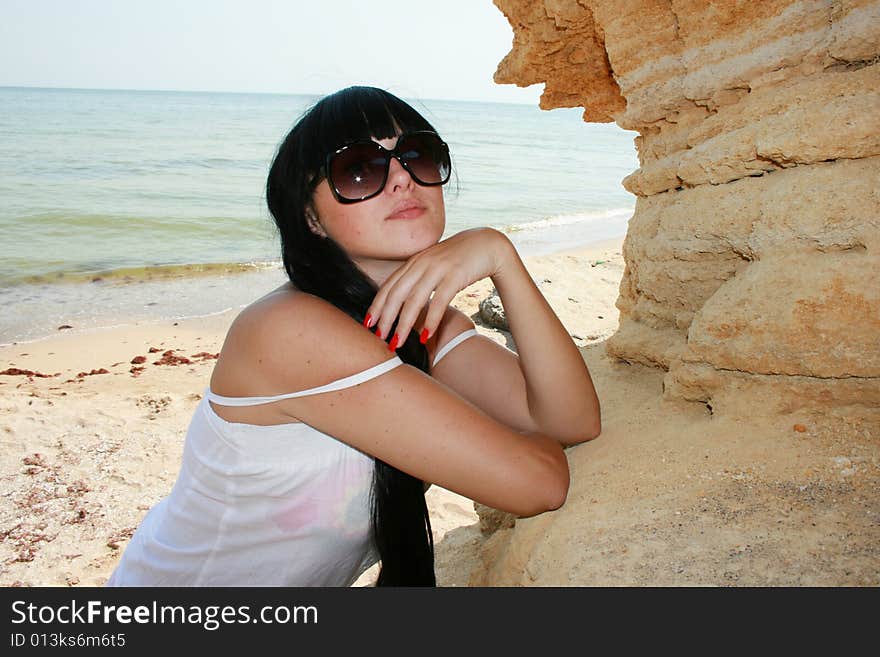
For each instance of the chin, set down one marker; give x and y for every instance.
(421, 238)
(405, 253)
(429, 241)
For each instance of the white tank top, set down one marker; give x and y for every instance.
(279, 505)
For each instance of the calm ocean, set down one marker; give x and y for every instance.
(117, 206)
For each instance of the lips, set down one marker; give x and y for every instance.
(407, 210)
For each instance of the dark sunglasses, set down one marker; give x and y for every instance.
(359, 170)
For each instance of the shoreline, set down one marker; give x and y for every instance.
(89, 449)
(241, 284)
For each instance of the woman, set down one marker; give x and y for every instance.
(312, 487)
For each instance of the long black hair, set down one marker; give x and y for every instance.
(400, 524)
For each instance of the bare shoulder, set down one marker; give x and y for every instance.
(290, 340)
(291, 316)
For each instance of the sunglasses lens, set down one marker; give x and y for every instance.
(358, 171)
(426, 157)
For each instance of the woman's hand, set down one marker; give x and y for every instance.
(443, 269)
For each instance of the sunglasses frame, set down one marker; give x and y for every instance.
(393, 153)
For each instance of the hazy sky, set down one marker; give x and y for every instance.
(414, 48)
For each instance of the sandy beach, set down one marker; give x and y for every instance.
(93, 421)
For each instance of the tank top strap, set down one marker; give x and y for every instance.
(339, 384)
(454, 342)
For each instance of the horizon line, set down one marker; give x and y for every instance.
(254, 93)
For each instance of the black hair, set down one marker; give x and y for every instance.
(400, 524)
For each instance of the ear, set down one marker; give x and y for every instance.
(314, 223)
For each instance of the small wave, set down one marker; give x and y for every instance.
(213, 313)
(70, 223)
(568, 219)
(125, 275)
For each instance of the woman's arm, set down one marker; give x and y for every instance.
(551, 390)
(485, 373)
(561, 398)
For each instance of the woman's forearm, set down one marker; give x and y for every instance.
(561, 398)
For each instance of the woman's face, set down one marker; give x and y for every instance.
(403, 219)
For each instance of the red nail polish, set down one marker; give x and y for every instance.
(423, 338)
(393, 345)
(367, 320)
(378, 332)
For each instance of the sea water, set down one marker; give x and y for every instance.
(117, 206)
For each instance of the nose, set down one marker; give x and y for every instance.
(398, 177)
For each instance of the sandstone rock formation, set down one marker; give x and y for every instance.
(752, 280)
(753, 257)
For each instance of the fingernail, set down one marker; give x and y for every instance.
(367, 320)
(423, 338)
(393, 345)
(378, 332)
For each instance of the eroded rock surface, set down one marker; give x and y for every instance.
(758, 187)
(752, 279)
